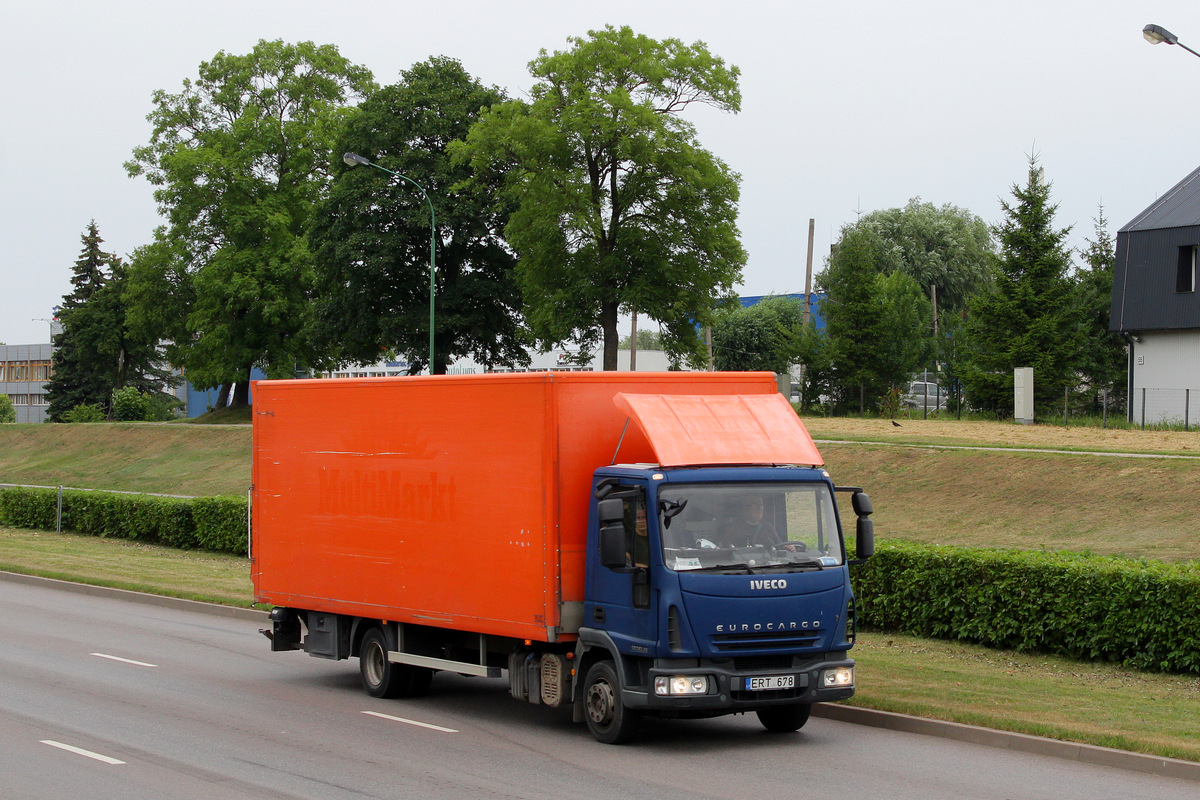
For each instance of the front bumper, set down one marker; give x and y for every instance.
(726, 691)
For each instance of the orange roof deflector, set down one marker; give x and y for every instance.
(694, 430)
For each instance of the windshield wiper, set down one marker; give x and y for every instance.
(749, 570)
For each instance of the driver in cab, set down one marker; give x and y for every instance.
(747, 525)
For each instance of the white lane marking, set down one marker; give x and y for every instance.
(81, 752)
(411, 722)
(124, 660)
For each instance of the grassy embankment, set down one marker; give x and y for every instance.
(1125, 506)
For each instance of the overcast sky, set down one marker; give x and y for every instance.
(847, 107)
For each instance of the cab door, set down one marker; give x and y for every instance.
(623, 599)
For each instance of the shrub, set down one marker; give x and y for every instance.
(130, 405)
(29, 508)
(211, 523)
(84, 412)
(889, 404)
(7, 412)
(1143, 614)
(221, 523)
(163, 408)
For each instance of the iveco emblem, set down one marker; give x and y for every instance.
(773, 584)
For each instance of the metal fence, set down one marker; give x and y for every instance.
(1165, 407)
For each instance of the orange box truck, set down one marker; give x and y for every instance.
(624, 544)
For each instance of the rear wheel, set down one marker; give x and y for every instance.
(785, 719)
(609, 721)
(383, 678)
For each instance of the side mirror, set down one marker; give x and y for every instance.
(612, 546)
(865, 528)
(610, 511)
(865, 546)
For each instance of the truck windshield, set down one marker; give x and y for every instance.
(747, 526)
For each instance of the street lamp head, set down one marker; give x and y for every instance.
(354, 160)
(1157, 34)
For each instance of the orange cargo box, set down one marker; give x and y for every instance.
(453, 501)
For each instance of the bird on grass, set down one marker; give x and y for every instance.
(897, 424)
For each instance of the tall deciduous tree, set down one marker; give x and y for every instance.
(908, 342)
(239, 157)
(371, 236)
(943, 246)
(764, 336)
(1027, 318)
(617, 205)
(854, 320)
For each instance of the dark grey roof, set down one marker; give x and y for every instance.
(1178, 208)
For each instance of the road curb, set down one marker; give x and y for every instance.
(140, 597)
(955, 731)
(1004, 740)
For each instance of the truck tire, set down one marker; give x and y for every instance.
(383, 678)
(784, 719)
(608, 720)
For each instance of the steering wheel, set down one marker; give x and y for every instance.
(800, 547)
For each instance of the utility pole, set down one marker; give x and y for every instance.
(808, 271)
(633, 345)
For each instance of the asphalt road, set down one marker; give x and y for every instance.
(108, 698)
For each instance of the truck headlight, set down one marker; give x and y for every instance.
(836, 678)
(681, 684)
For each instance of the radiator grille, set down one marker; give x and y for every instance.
(766, 640)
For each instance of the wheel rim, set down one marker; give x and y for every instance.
(374, 664)
(601, 703)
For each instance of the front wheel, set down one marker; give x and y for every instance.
(609, 721)
(785, 719)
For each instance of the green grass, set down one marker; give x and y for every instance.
(167, 458)
(122, 564)
(1097, 704)
(1111, 506)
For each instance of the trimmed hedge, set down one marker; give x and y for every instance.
(208, 523)
(1142, 614)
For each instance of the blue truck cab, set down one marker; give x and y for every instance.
(714, 590)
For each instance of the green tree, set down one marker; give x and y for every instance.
(646, 340)
(1104, 363)
(79, 374)
(764, 336)
(814, 354)
(239, 157)
(854, 321)
(906, 316)
(98, 351)
(7, 412)
(1027, 318)
(944, 247)
(371, 235)
(617, 207)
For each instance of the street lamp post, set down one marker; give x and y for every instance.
(354, 160)
(1157, 34)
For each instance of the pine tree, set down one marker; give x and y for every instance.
(77, 376)
(1027, 318)
(1104, 361)
(96, 353)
